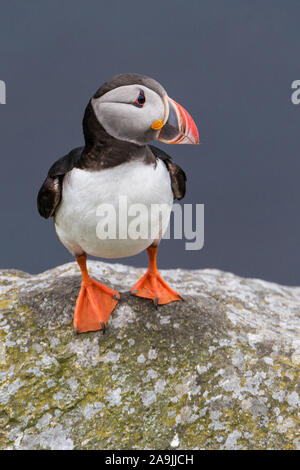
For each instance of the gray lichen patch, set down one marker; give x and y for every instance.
(218, 371)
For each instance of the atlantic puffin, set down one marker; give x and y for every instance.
(121, 119)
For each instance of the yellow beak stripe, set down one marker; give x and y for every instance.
(156, 125)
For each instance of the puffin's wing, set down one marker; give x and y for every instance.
(49, 195)
(178, 177)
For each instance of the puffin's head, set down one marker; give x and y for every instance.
(137, 109)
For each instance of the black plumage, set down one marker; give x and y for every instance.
(178, 176)
(50, 193)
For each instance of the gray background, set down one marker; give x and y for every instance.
(230, 63)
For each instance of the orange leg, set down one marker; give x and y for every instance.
(152, 286)
(94, 304)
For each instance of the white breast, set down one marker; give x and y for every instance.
(78, 222)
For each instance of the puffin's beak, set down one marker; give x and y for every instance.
(180, 127)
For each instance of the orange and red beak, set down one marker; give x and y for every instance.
(180, 127)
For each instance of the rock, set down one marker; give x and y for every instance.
(218, 371)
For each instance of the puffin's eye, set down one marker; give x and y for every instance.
(140, 101)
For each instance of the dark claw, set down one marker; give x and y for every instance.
(116, 297)
(156, 302)
(76, 330)
(103, 327)
(135, 291)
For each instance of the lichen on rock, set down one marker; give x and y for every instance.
(217, 371)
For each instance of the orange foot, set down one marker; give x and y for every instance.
(94, 304)
(153, 286)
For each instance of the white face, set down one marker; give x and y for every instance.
(128, 112)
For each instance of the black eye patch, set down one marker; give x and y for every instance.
(140, 101)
